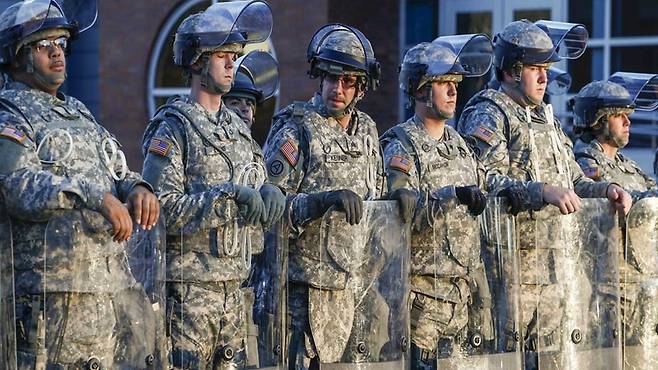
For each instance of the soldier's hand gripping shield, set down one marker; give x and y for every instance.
(642, 87)
(570, 291)
(7, 301)
(23, 19)
(84, 307)
(364, 325)
(569, 39)
(262, 72)
(236, 22)
(639, 286)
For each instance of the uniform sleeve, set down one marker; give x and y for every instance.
(284, 158)
(584, 186)
(164, 169)
(30, 192)
(402, 173)
(484, 126)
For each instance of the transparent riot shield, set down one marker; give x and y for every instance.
(490, 338)
(473, 54)
(146, 301)
(262, 70)
(569, 39)
(268, 281)
(639, 286)
(569, 288)
(363, 323)
(79, 302)
(7, 313)
(559, 81)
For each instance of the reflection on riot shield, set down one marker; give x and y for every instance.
(7, 319)
(360, 322)
(145, 344)
(77, 302)
(569, 288)
(468, 318)
(268, 284)
(639, 286)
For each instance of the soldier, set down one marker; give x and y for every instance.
(256, 80)
(325, 154)
(518, 136)
(63, 178)
(426, 155)
(601, 122)
(208, 173)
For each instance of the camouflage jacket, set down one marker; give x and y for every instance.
(530, 148)
(308, 152)
(57, 158)
(621, 170)
(194, 159)
(445, 242)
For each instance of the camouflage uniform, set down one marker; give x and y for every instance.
(440, 273)
(529, 147)
(82, 292)
(592, 105)
(195, 181)
(325, 158)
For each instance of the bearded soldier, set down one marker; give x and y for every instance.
(325, 154)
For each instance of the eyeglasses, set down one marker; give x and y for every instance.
(59, 43)
(347, 80)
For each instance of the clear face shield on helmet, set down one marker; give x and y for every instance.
(239, 22)
(473, 54)
(263, 71)
(643, 88)
(569, 39)
(364, 63)
(23, 19)
(559, 81)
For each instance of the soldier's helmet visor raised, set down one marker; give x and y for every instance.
(236, 22)
(25, 18)
(473, 55)
(559, 81)
(256, 75)
(569, 39)
(643, 88)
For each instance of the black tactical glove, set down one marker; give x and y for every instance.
(250, 204)
(407, 201)
(274, 202)
(346, 201)
(515, 196)
(472, 197)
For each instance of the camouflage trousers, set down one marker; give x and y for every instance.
(207, 325)
(439, 332)
(343, 332)
(78, 330)
(639, 310)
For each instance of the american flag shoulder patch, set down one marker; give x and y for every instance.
(484, 134)
(13, 134)
(160, 146)
(400, 163)
(290, 152)
(592, 172)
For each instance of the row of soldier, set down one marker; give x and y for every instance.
(431, 247)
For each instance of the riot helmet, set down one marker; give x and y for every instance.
(225, 26)
(447, 58)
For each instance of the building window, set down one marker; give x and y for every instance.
(165, 79)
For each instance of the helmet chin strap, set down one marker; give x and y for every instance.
(429, 103)
(209, 82)
(46, 80)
